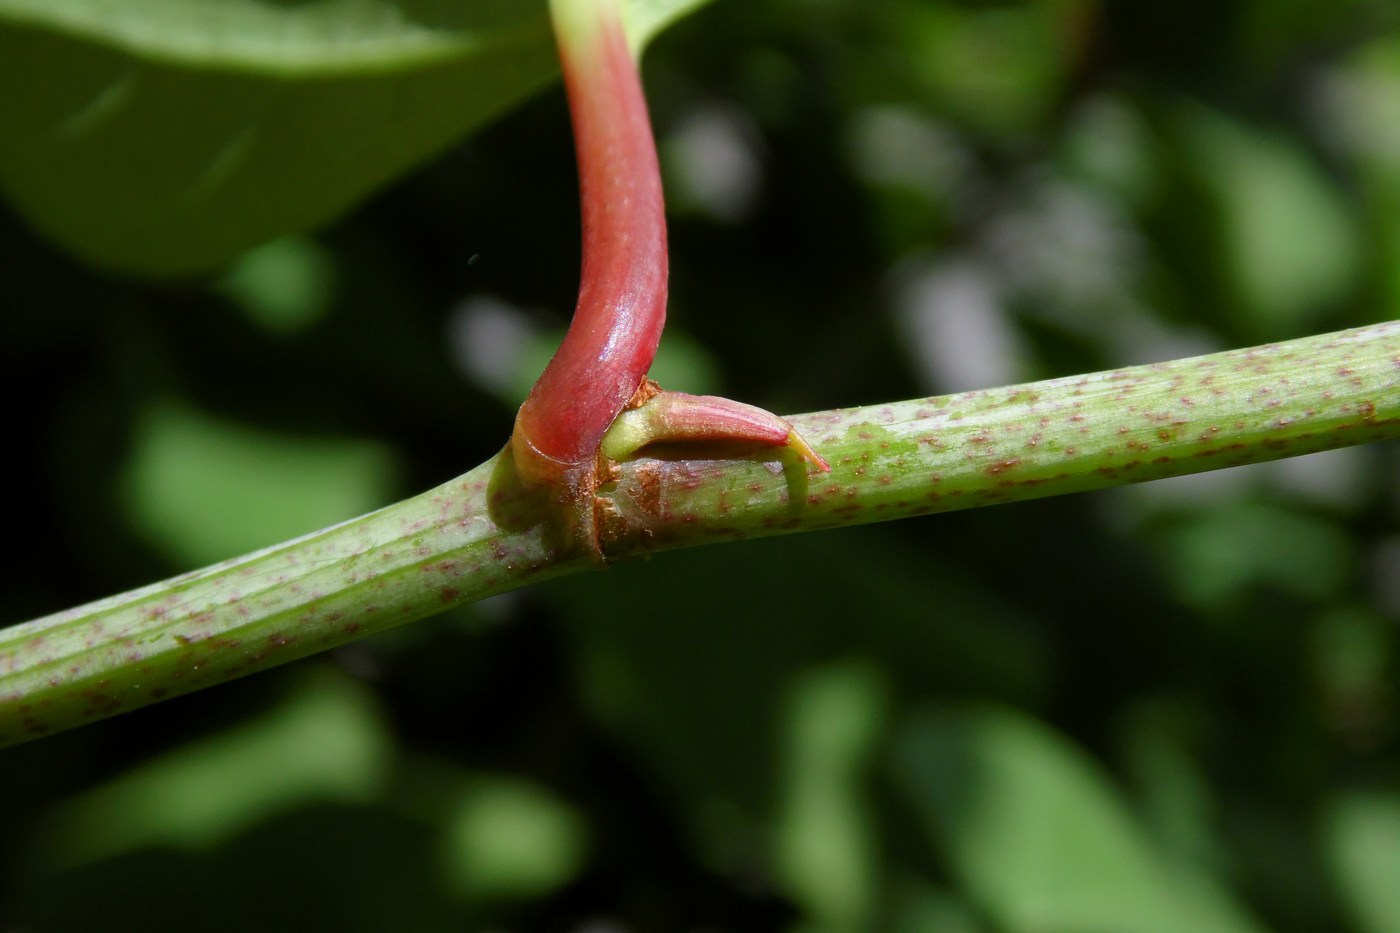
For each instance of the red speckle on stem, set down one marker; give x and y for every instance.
(1002, 466)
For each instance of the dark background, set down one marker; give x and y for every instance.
(1156, 708)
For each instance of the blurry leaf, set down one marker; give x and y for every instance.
(1216, 555)
(646, 18)
(284, 285)
(825, 845)
(1038, 837)
(349, 868)
(325, 743)
(1272, 31)
(1363, 96)
(1352, 655)
(1351, 650)
(1109, 145)
(997, 66)
(1289, 244)
(916, 171)
(167, 136)
(923, 909)
(1363, 843)
(206, 490)
(690, 657)
(1160, 740)
(510, 838)
(1388, 249)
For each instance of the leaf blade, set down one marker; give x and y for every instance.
(159, 138)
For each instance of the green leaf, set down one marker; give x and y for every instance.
(1289, 244)
(204, 489)
(325, 743)
(1039, 839)
(510, 838)
(1215, 556)
(728, 693)
(825, 850)
(998, 66)
(284, 285)
(1363, 843)
(167, 136)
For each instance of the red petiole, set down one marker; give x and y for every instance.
(622, 295)
(600, 369)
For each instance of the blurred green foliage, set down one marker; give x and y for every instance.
(166, 137)
(1166, 707)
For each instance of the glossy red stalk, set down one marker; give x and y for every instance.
(561, 442)
(622, 295)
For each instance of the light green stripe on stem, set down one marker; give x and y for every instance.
(464, 540)
(1033, 440)
(477, 535)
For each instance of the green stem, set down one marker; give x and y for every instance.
(480, 534)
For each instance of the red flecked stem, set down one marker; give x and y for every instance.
(622, 296)
(461, 541)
